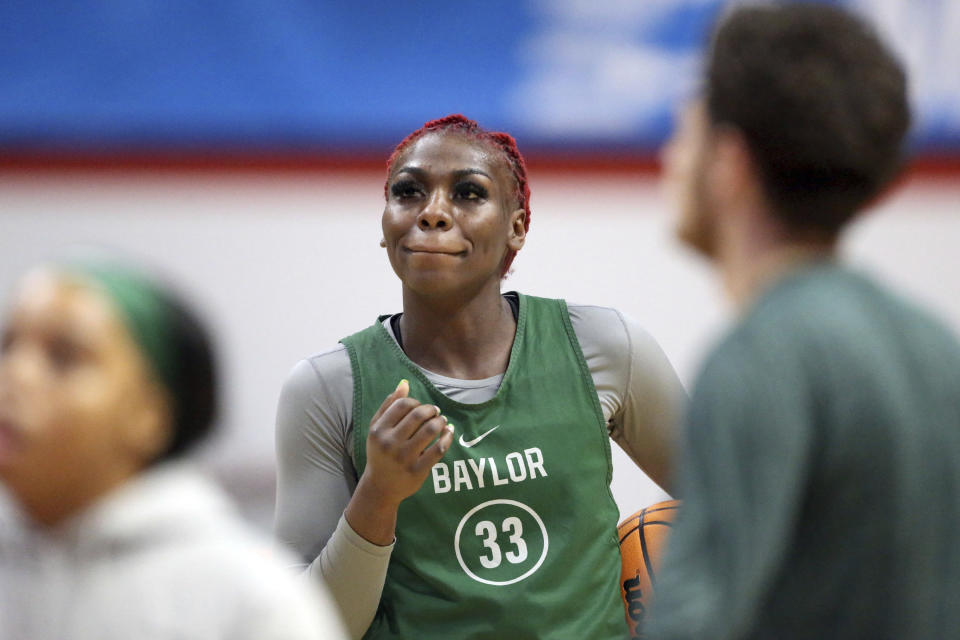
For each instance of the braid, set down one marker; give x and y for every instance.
(502, 142)
(518, 167)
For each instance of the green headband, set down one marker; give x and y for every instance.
(142, 309)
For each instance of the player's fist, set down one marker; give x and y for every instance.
(405, 440)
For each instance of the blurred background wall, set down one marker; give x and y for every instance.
(239, 147)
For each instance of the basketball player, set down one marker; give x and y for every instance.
(465, 440)
(821, 471)
(106, 381)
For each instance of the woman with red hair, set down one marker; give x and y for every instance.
(447, 469)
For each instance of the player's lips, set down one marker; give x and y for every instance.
(433, 250)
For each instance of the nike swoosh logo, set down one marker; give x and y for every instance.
(470, 443)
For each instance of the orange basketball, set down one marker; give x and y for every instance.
(642, 541)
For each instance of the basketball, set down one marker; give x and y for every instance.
(643, 539)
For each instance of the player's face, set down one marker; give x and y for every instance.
(75, 396)
(450, 216)
(685, 159)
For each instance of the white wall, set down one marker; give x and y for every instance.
(285, 264)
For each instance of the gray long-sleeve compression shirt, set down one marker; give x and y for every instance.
(640, 395)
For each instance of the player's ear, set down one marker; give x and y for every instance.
(148, 429)
(518, 231)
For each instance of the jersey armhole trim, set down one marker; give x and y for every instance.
(588, 378)
(629, 380)
(359, 451)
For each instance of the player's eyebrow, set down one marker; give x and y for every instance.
(472, 172)
(419, 172)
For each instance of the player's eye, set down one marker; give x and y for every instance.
(470, 191)
(404, 189)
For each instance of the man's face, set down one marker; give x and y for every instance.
(685, 159)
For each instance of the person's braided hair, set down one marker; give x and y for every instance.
(502, 142)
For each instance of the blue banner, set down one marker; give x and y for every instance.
(306, 75)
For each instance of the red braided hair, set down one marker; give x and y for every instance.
(502, 142)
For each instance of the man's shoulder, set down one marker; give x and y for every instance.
(812, 304)
(839, 305)
(825, 320)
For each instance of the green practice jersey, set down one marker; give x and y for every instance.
(513, 534)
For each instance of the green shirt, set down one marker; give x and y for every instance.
(513, 535)
(821, 473)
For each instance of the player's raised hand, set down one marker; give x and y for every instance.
(399, 449)
(405, 440)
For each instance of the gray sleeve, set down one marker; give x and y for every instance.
(315, 474)
(315, 480)
(640, 393)
(746, 452)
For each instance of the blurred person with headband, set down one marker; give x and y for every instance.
(820, 474)
(106, 382)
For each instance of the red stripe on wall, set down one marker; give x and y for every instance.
(925, 167)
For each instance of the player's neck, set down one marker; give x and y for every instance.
(469, 338)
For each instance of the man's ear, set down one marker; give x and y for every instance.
(518, 232)
(732, 173)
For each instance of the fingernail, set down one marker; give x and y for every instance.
(402, 382)
(437, 408)
(450, 427)
(445, 418)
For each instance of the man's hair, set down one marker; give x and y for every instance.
(502, 143)
(821, 102)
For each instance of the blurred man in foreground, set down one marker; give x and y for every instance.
(821, 470)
